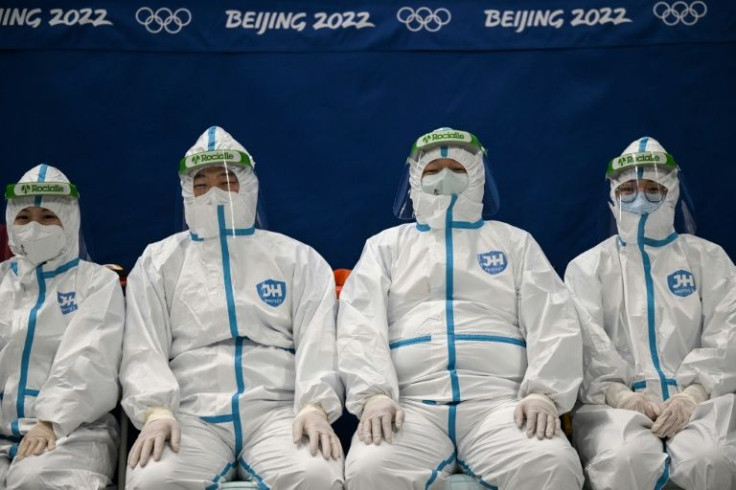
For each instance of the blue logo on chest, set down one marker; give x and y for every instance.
(273, 293)
(681, 283)
(66, 302)
(493, 262)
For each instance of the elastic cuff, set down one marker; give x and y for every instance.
(544, 398)
(159, 413)
(696, 393)
(313, 407)
(617, 393)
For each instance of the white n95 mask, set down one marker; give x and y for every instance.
(39, 243)
(202, 212)
(445, 182)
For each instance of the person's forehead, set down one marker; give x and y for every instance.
(216, 169)
(445, 161)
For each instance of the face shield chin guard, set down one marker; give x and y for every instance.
(192, 164)
(403, 208)
(685, 221)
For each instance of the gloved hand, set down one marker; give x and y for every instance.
(540, 414)
(160, 426)
(677, 410)
(40, 438)
(380, 414)
(619, 395)
(312, 422)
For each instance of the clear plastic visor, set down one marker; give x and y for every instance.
(650, 189)
(404, 209)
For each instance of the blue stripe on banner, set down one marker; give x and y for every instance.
(466, 469)
(491, 338)
(259, 481)
(643, 143)
(650, 307)
(467, 225)
(415, 340)
(26, 357)
(211, 138)
(439, 468)
(217, 419)
(220, 476)
(665, 474)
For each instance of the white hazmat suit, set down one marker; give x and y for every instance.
(61, 328)
(457, 319)
(232, 329)
(659, 317)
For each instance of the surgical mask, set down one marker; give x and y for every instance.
(39, 243)
(445, 182)
(640, 205)
(202, 213)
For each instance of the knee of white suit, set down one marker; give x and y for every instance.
(548, 466)
(33, 477)
(313, 473)
(158, 475)
(710, 468)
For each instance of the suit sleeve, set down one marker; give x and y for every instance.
(364, 357)
(551, 330)
(602, 364)
(83, 382)
(145, 375)
(314, 310)
(713, 363)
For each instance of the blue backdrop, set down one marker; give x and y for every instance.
(329, 96)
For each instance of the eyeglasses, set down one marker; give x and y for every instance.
(653, 191)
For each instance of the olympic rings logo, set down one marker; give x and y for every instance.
(680, 11)
(163, 19)
(423, 18)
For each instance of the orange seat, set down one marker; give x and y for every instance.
(341, 275)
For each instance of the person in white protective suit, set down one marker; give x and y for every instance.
(457, 341)
(658, 310)
(229, 352)
(61, 330)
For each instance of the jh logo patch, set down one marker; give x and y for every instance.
(273, 293)
(493, 262)
(681, 283)
(66, 302)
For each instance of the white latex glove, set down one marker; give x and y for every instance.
(540, 414)
(160, 426)
(37, 440)
(620, 396)
(312, 422)
(380, 414)
(677, 410)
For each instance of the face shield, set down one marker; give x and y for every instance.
(220, 191)
(42, 216)
(446, 181)
(644, 181)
